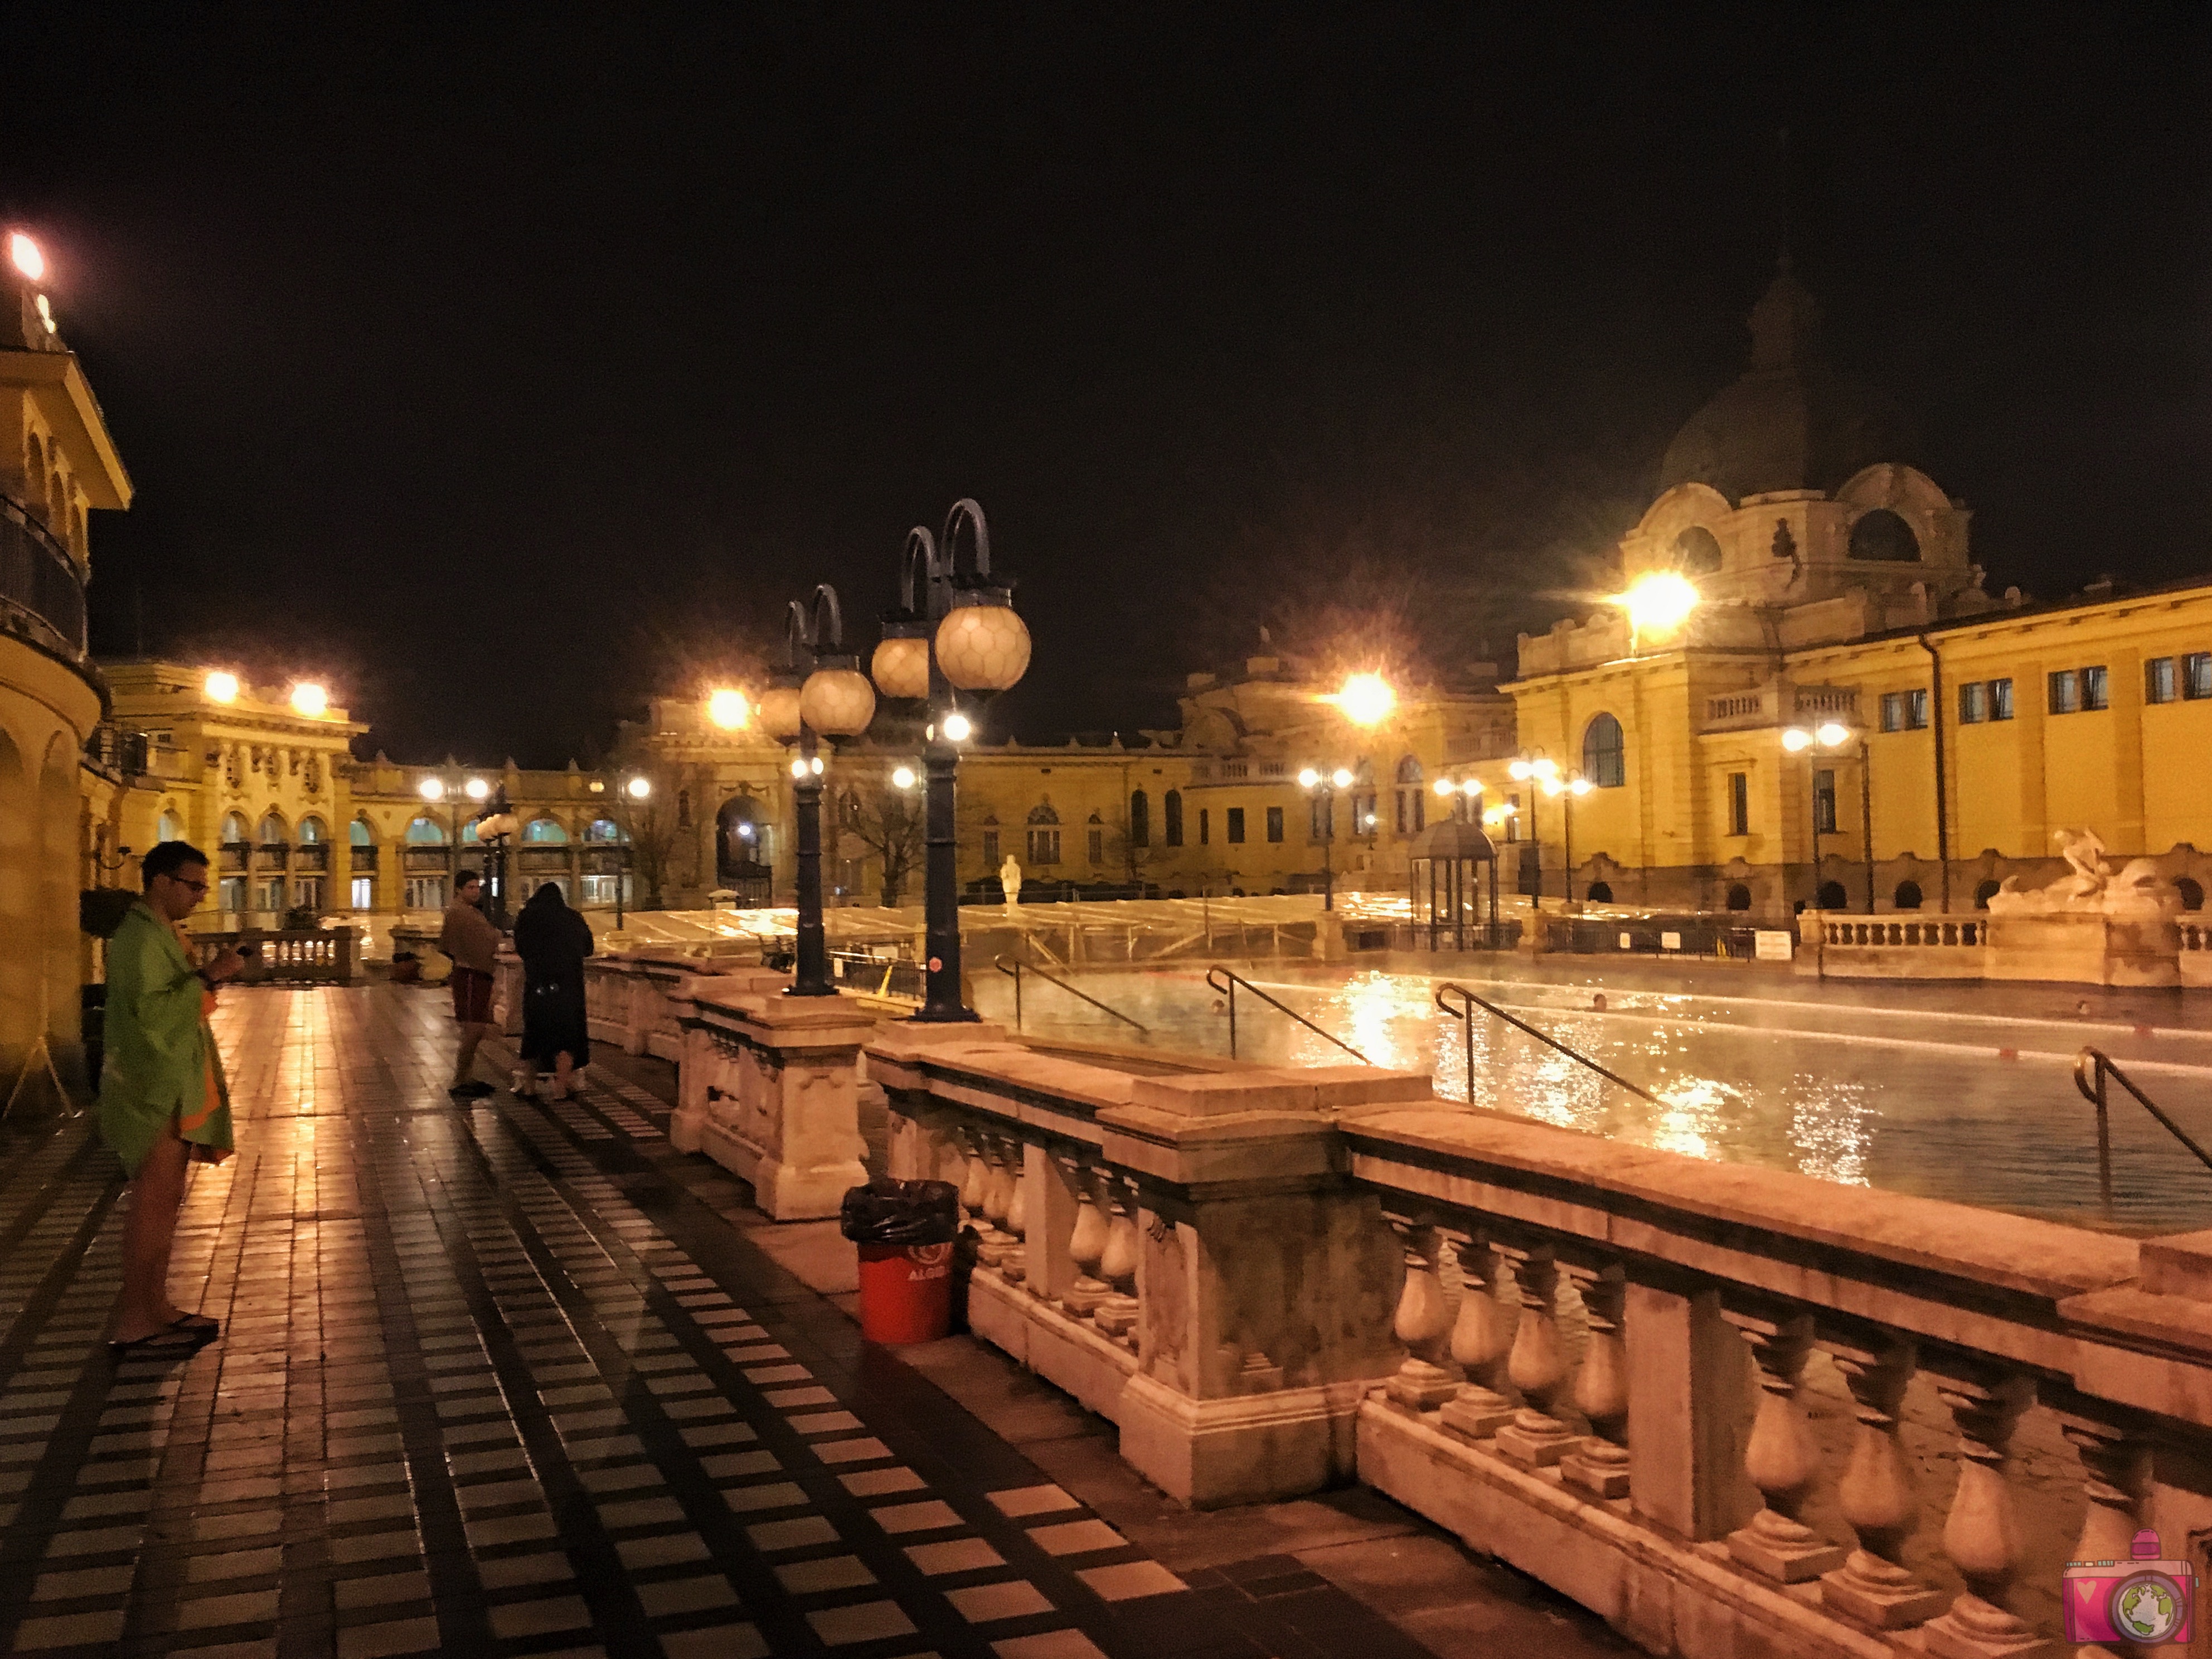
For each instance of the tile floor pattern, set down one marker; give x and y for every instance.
(485, 1388)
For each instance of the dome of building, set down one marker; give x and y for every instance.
(1792, 421)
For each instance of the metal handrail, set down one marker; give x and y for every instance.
(1465, 1015)
(1014, 971)
(1234, 979)
(2091, 1068)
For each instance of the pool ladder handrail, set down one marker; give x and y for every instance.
(1015, 969)
(1234, 979)
(1465, 1014)
(2091, 1068)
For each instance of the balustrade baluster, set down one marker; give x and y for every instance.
(1982, 1534)
(1421, 1384)
(2116, 1480)
(1014, 1263)
(996, 1241)
(1781, 1459)
(1086, 1244)
(1600, 1465)
(1481, 1338)
(1538, 1363)
(1876, 1492)
(1117, 1313)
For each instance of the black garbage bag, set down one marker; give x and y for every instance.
(889, 1212)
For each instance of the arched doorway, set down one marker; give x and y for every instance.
(1600, 892)
(741, 851)
(1908, 896)
(1738, 897)
(1831, 896)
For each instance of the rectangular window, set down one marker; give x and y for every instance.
(1402, 809)
(269, 894)
(1365, 817)
(1236, 817)
(1892, 711)
(991, 848)
(1171, 822)
(2000, 700)
(1824, 802)
(2157, 680)
(601, 890)
(1044, 844)
(2096, 689)
(1205, 825)
(2065, 691)
(426, 892)
(1275, 824)
(1513, 817)
(1321, 814)
(1916, 710)
(232, 895)
(364, 892)
(1973, 701)
(309, 892)
(1739, 790)
(2196, 676)
(1097, 846)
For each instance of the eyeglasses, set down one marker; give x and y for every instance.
(195, 888)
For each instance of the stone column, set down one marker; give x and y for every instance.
(1781, 1459)
(1421, 1384)
(1086, 1244)
(1982, 1535)
(1600, 1465)
(1118, 1311)
(1481, 1338)
(1538, 1365)
(796, 1133)
(1876, 1492)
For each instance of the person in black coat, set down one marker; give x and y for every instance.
(552, 941)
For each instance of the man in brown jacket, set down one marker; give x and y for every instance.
(471, 941)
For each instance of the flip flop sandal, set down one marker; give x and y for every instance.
(169, 1339)
(198, 1324)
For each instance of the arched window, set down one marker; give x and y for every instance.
(1604, 753)
(169, 827)
(1908, 896)
(2191, 891)
(1600, 892)
(545, 832)
(1831, 896)
(1984, 893)
(1882, 537)
(1171, 816)
(358, 833)
(1412, 797)
(469, 833)
(233, 829)
(603, 830)
(271, 832)
(311, 832)
(1698, 552)
(426, 832)
(1044, 839)
(1140, 818)
(1094, 838)
(1738, 897)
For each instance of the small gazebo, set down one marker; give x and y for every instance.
(1445, 884)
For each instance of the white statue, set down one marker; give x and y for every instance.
(1010, 881)
(2089, 887)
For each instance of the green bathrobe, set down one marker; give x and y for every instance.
(160, 1057)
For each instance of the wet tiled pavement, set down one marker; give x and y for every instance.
(492, 1382)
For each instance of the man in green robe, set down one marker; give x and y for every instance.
(163, 1101)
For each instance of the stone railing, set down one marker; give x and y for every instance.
(1906, 932)
(2195, 962)
(318, 956)
(1737, 1411)
(770, 1087)
(2087, 949)
(629, 998)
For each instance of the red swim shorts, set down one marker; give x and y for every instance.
(471, 997)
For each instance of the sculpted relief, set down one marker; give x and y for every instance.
(2090, 887)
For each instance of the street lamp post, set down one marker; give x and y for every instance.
(639, 790)
(1833, 735)
(954, 631)
(835, 700)
(1324, 787)
(434, 789)
(1567, 788)
(1543, 772)
(495, 825)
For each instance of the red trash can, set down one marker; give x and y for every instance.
(905, 1292)
(905, 1231)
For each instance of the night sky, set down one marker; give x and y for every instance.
(504, 366)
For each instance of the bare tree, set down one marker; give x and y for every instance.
(891, 823)
(648, 822)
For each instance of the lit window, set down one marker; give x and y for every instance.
(2196, 676)
(1973, 702)
(2096, 689)
(2157, 680)
(2000, 700)
(426, 832)
(1892, 711)
(1916, 710)
(1604, 753)
(364, 892)
(2065, 691)
(544, 832)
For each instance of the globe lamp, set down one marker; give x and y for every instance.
(901, 667)
(838, 703)
(779, 712)
(983, 645)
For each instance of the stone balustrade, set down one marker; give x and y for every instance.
(631, 998)
(1737, 1411)
(2088, 948)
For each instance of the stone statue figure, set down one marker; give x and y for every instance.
(1010, 881)
(2090, 887)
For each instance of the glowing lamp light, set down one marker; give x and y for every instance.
(310, 699)
(640, 788)
(1833, 734)
(1366, 699)
(476, 789)
(901, 667)
(28, 257)
(1309, 779)
(1551, 787)
(798, 768)
(1471, 788)
(1796, 740)
(432, 789)
(815, 766)
(220, 687)
(728, 710)
(1519, 771)
(837, 702)
(1581, 787)
(1659, 601)
(1341, 777)
(958, 728)
(983, 647)
(779, 712)
(903, 778)
(1444, 788)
